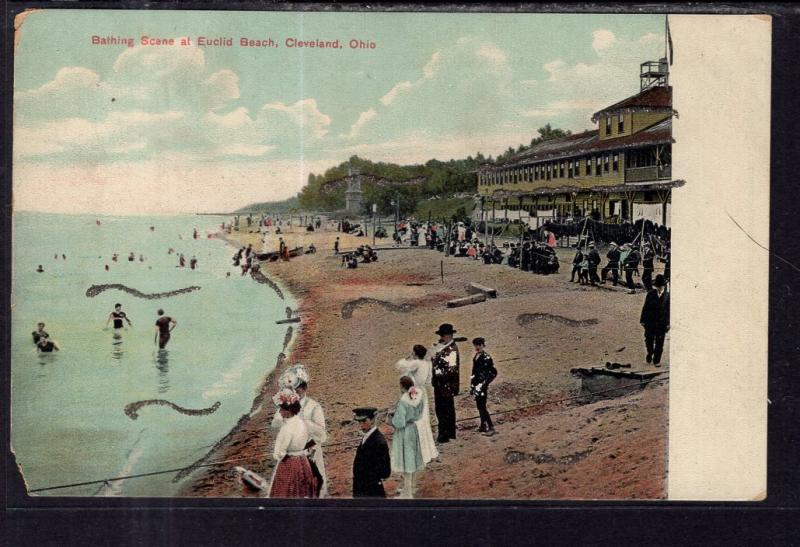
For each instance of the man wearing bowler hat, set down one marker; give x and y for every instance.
(655, 319)
(445, 365)
(371, 464)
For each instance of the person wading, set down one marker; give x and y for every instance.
(163, 329)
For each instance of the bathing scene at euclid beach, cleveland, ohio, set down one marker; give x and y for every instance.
(232, 280)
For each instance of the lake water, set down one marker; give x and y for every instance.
(68, 419)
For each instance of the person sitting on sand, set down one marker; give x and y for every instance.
(118, 315)
(163, 329)
(352, 262)
(45, 345)
(39, 333)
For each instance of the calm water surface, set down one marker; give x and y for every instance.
(68, 419)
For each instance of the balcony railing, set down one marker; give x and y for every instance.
(643, 174)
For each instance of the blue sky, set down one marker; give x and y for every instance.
(162, 129)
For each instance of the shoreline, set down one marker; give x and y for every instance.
(349, 340)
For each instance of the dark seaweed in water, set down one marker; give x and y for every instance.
(94, 290)
(132, 408)
(349, 307)
(526, 318)
(261, 278)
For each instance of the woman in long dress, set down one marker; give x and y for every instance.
(296, 378)
(419, 370)
(406, 454)
(293, 477)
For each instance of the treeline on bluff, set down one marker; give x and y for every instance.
(382, 182)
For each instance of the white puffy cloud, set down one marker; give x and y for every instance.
(363, 119)
(602, 39)
(156, 101)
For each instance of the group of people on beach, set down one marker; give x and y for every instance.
(300, 421)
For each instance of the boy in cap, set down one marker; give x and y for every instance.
(445, 364)
(483, 372)
(371, 464)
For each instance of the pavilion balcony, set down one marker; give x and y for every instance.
(643, 174)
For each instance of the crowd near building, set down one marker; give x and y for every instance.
(619, 171)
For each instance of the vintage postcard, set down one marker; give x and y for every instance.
(401, 255)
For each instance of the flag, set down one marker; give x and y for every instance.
(669, 40)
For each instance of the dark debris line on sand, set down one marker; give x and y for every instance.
(349, 307)
(261, 278)
(94, 290)
(526, 318)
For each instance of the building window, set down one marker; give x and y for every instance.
(598, 168)
(588, 167)
(616, 163)
(549, 167)
(561, 171)
(608, 125)
(621, 123)
(571, 173)
(606, 159)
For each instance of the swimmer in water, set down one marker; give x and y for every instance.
(193, 263)
(45, 345)
(107, 269)
(55, 256)
(181, 261)
(38, 333)
(141, 258)
(118, 315)
(115, 257)
(152, 228)
(163, 329)
(64, 256)
(131, 257)
(40, 269)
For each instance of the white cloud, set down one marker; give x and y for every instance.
(432, 66)
(396, 90)
(559, 108)
(363, 119)
(303, 117)
(602, 39)
(154, 102)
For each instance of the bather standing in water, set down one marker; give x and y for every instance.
(118, 315)
(39, 333)
(163, 329)
(45, 345)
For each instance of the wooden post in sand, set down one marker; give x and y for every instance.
(441, 266)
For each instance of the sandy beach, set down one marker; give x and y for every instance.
(355, 324)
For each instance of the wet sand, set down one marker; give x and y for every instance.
(357, 323)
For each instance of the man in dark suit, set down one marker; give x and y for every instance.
(613, 256)
(655, 319)
(594, 262)
(371, 465)
(445, 364)
(483, 372)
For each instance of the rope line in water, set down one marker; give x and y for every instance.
(348, 441)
